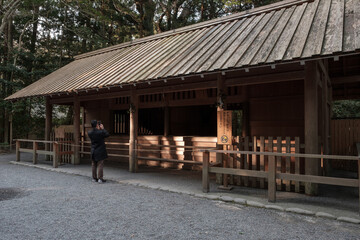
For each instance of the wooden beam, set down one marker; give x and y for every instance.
(311, 124)
(267, 78)
(345, 79)
(134, 111)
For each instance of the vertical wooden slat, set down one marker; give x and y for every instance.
(253, 163)
(262, 160)
(205, 172)
(219, 160)
(278, 163)
(246, 160)
(288, 162)
(56, 154)
(225, 165)
(231, 164)
(35, 155)
(297, 163)
(17, 151)
(271, 173)
(240, 158)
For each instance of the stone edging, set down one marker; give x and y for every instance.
(240, 201)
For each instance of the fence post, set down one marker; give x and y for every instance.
(359, 181)
(205, 172)
(135, 156)
(17, 150)
(35, 155)
(56, 154)
(272, 179)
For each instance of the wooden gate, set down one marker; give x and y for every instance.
(345, 133)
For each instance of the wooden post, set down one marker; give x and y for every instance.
(297, 163)
(288, 163)
(56, 154)
(262, 160)
(17, 150)
(35, 155)
(271, 174)
(48, 124)
(134, 105)
(278, 162)
(11, 131)
(76, 130)
(253, 162)
(272, 179)
(359, 181)
(166, 116)
(205, 172)
(311, 124)
(221, 92)
(219, 160)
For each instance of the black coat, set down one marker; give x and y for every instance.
(98, 148)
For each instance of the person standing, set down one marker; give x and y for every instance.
(98, 150)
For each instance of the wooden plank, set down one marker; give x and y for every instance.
(18, 151)
(333, 41)
(254, 161)
(241, 172)
(168, 160)
(231, 164)
(283, 42)
(56, 155)
(26, 150)
(320, 179)
(35, 155)
(272, 173)
(266, 78)
(298, 42)
(357, 24)
(262, 160)
(288, 163)
(205, 172)
(349, 23)
(43, 152)
(260, 39)
(242, 35)
(272, 39)
(246, 160)
(315, 39)
(301, 155)
(251, 36)
(297, 163)
(278, 163)
(240, 158)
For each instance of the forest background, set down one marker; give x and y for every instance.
(39, 36)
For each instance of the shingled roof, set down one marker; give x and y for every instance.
(288, 31)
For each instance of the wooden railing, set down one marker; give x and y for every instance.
(55, 152)
(271, 175)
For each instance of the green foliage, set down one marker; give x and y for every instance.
(346, 109)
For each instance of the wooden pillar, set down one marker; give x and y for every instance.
(205, 172)
(221, 94)
(11, 131)
(48, 124)
(76, 130)
(312, 166)
(166, 121)
(134, 111)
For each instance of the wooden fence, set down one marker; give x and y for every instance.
(345, 133)
(284, 164)
(54, 152)
(271, 174)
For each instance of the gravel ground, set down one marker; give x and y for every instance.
(37, 204)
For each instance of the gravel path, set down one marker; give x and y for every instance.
(37, 204)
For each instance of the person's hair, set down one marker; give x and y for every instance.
(93, 123)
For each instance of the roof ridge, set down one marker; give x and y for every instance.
(231, 17)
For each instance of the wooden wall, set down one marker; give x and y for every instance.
(277, 109)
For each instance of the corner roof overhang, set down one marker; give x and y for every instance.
(281, 33)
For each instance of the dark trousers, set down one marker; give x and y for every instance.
(97, 169)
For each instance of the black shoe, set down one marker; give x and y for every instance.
(101, 181)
